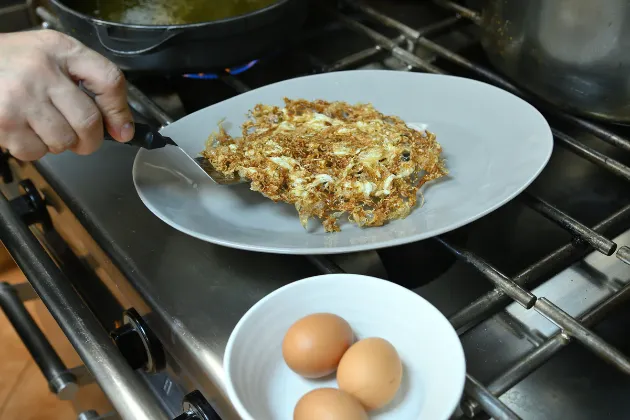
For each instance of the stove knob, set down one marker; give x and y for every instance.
(30, 206)
(5, 169)
(89, 415)
(138, 344)
(196, 407)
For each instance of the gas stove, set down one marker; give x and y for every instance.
(500, 280)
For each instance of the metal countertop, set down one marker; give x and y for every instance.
(198, 291)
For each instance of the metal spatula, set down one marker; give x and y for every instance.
(147, 138)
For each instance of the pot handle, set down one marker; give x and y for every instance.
(120, 48)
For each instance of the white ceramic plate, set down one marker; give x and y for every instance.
(495, 144)
(262, 387)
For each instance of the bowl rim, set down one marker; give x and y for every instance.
(227, 357)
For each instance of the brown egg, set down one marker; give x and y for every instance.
(371, 371)
(328, 404)
(313, 346)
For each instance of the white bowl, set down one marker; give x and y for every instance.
(262, 387)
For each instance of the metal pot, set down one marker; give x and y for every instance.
(178, 49)
(573, 53)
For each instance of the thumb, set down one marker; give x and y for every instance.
(101, 77)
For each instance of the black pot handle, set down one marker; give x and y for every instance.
(141, 47)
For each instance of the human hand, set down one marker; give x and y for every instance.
(42, 108)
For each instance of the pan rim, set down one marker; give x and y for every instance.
(102, 22)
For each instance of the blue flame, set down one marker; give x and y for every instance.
(233, 71)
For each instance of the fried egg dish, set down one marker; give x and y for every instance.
(331, 159)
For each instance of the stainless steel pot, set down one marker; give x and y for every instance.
(573, 53)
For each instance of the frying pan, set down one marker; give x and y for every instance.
(185, 48)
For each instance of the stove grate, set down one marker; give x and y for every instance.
(506, 289)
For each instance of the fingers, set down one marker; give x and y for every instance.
(107, 82)
(81, 115)
(15, 133)
(41, 107)
(24, 144)
(52, 128)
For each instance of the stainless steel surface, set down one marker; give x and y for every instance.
(132, 400)
(16, 16)
(593, 155)
(139, 100)
(325, 264)
(594, 239)
(49, 20)
(491, 301)
(197, 291)
(93, 415)
(508, 286)
(570, 52)
(543, 352)
(624, 254)
(83, 375)
(599, 283)
(586, 337)
(384, 42)
(518, 371)
(460, 10)
(488, 75)
(88, 415)
(493, 406)
(368, 263)
(548, 309)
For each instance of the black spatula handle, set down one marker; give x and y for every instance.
(145, 137)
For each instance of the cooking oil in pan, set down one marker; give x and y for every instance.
(167, 12)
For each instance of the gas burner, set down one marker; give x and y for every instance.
(212, 76)
(519, 360)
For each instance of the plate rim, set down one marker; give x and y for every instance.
(321, 250)
(347, 277)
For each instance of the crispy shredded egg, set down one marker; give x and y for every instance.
(330, 159)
